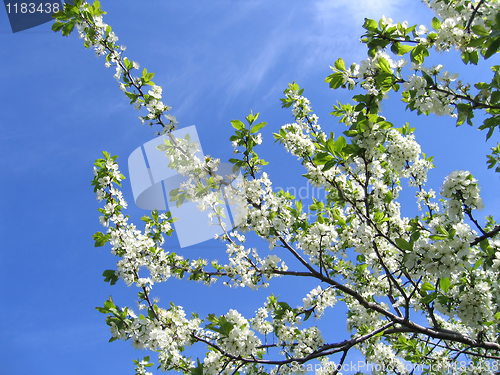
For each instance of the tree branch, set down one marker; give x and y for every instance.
(486, 235)
(474, 12)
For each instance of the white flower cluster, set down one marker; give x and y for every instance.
(495, 244)
(470, 304)
(439, 100)
(155, 106)
(472, 311)
(369, 68)
(103, 40)
(259, 322)
(132, 245)
(442, 258)
(383, 356)
(404, 156)
(455, 16)
(360, 317)
(261, 210)
(318, 237)
(167, 335)
(461, 189)
(140, 368)
(203, 185)
(361, 236)
(247, 268)
(425, 197)
(319, 299)
(296, 342)
(241, 340)
(297, 141)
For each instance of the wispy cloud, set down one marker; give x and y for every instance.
(354, 11)
(277, 44)
(256, 47)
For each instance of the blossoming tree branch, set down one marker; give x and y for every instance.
(421, 290)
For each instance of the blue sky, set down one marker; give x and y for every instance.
(60, 108)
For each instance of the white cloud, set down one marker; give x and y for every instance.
(354, 11)
(255, 47)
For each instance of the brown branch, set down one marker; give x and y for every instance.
(486, 235)
(474, 12)
(324, 350)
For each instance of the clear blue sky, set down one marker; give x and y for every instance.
(60, 108)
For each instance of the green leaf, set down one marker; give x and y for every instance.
(251, 117)
(370, 25)
(414, 237)
(68, 28)
(162, 147)
(478, 42)
(102, 310)
(339, 64)
(492, 48)
(403, 244)
(109, 304)
(444, 283)
(388, 197)
(495, 97)
(198, 370)
(335, 80)
(340, 143)
(436, 24)
(181, 200)
(384, 65)
(330, 145)
(57, 26)
(329, 165)
(58, 15)
(429, 298)
(96, 6)
(484, 245)
(237, 124)
(427, 286)
(110, 276)
(307, 315)
(385, 81)
(418, 54)
(257, 127)
(221, 326)
(464, 111)
(480, 30)
(322, 158)
(385, 125)
(437, 237)
(100, 239)
(401, 49)
(352, 149)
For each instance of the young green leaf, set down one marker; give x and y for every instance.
(427, 286)
(444, 284)
(436, 24)
(403, 244)
(257, 127)
(339, 64)
(237, 124)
